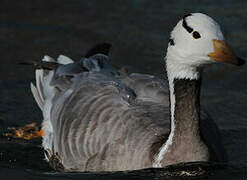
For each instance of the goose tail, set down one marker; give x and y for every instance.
(43, 93)
(40, 91)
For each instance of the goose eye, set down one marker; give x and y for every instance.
(196, 35)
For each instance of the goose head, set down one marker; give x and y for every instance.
(197, 40)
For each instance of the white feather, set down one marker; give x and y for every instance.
(64, 59)
(43, 94)
(37, 96)
(48, 59)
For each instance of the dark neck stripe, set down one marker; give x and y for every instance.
(185, 25)
(187, 106)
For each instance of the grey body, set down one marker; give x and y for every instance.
(103, 121)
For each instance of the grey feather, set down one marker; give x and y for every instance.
(105, 122)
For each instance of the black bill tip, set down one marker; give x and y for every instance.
(240, 61)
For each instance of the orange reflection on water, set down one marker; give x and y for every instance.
(27, 132)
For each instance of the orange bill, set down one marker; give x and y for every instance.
(222, 53)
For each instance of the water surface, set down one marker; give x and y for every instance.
(139, 31)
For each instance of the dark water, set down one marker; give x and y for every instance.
(138, 30)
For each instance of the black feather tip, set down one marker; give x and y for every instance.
(102, 48)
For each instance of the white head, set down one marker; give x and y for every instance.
(196, 40)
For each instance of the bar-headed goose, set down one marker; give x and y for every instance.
(96, 119)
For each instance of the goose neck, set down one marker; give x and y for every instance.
(184, 88)
(185, 106)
